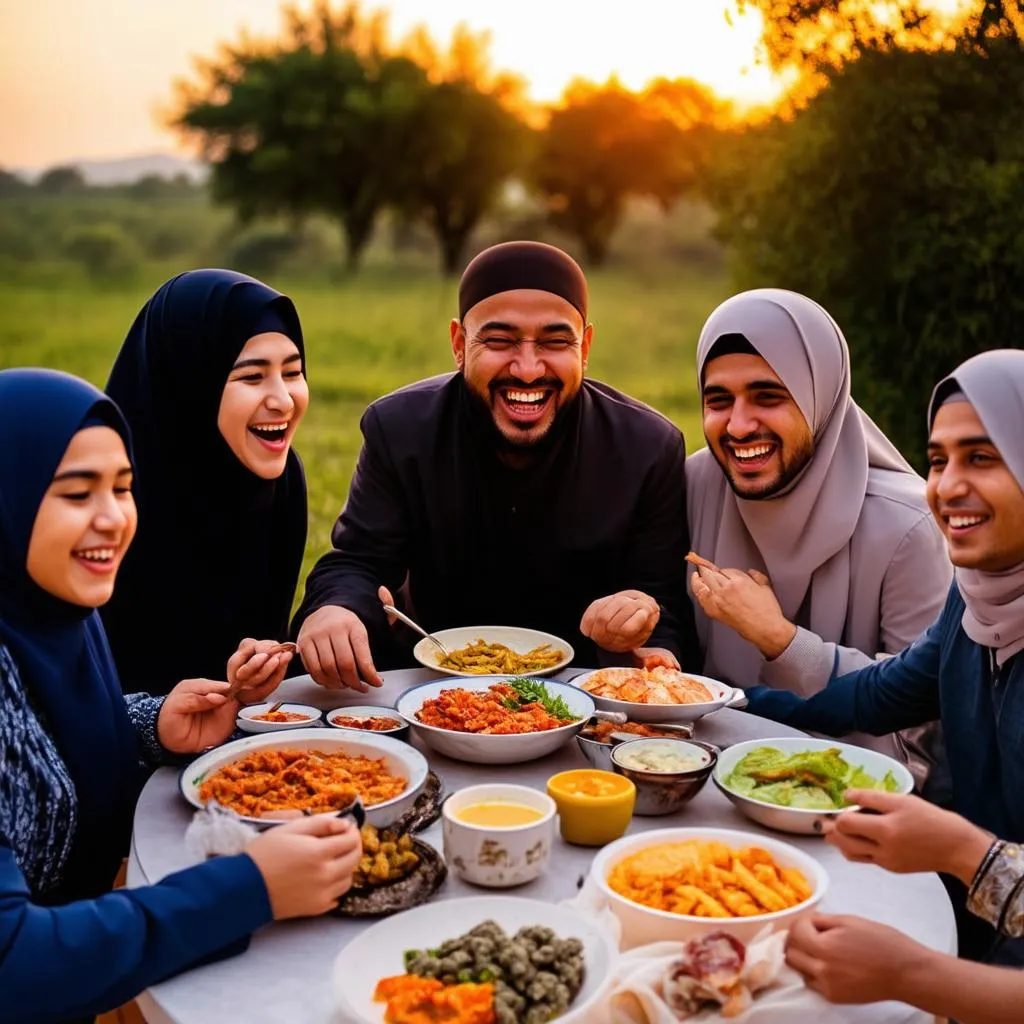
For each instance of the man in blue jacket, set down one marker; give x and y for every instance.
(966, 669)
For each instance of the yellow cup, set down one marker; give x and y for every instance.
(594, 807)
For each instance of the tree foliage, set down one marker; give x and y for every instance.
(61, 181)
(896, 199)
(331, 118)
(12, 185)
(605, 144)
(816, 37)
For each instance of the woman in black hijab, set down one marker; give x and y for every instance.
(75, 751)
(211, 380)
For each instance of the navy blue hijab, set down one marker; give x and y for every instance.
(59, 648)
(219, 549)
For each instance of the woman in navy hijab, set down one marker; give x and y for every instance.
(211, 380)
(73, 747)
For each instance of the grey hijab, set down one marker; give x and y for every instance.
(993, 382)
(801, 537)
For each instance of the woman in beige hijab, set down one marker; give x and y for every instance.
(847, 562)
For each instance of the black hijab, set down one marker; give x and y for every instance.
(219, 549)
(60, 649)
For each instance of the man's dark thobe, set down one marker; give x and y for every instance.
(601, 507)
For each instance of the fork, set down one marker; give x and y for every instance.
(392, 610)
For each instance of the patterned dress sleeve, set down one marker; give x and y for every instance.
(997, 892)
(143, 710)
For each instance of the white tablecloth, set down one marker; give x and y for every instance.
(284, 978)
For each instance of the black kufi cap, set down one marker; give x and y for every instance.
(512, 265)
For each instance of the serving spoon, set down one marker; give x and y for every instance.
(392, 610)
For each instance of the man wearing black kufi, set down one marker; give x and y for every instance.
(511, 492)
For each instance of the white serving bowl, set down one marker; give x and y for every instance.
(400, 759)
(498, 857)
(801, 820)
(481, 748)
(376, 952)
(519, 639)
(724, 696)
(245, 719)
(400, 731)
(641, 925)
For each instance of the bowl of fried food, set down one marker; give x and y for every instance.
(793, 783)
(494, 650)
(366, 718)
(675, 883)
(599, 735)
(495, 719)
(397, 871)
(273, 777)
(659, 694)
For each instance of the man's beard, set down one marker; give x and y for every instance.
(792, 466)
(536, 444)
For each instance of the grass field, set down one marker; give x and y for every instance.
(377, 332)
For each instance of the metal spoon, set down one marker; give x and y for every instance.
(392, 610)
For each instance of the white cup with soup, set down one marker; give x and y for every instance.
(498, 835)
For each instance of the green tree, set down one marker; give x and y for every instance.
(105, 250)
(468, 137)
(61, 181)
(314, 122)
(896, 199)
(332, 118)
(814, 37)
(463, 148)
(605, 144)
(12, 185)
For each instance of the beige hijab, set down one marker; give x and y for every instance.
(801, 537)
(993, 382)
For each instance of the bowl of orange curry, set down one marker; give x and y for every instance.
(273, 777)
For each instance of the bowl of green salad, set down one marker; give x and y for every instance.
(791, 783)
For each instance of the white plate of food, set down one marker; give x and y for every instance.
(583, 956)
(793, 783)
(656, 882)
(549, 714)
(336, 765)
(495, 650)
(657, 694)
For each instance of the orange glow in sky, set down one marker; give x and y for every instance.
(87, 79)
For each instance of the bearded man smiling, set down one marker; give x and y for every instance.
(514, 491)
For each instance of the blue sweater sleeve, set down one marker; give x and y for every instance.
(90, 956)
(883, 697)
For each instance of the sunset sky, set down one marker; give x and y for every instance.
(87, 79)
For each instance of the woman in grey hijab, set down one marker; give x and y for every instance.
(994, 612)
(855, 565)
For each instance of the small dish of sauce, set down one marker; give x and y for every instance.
(670, 756)
(380, 723)
(499, 814)
(279, 717)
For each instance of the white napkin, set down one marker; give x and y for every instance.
(634, 995)
(216, 831)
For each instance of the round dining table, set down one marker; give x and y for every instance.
(285, 977)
